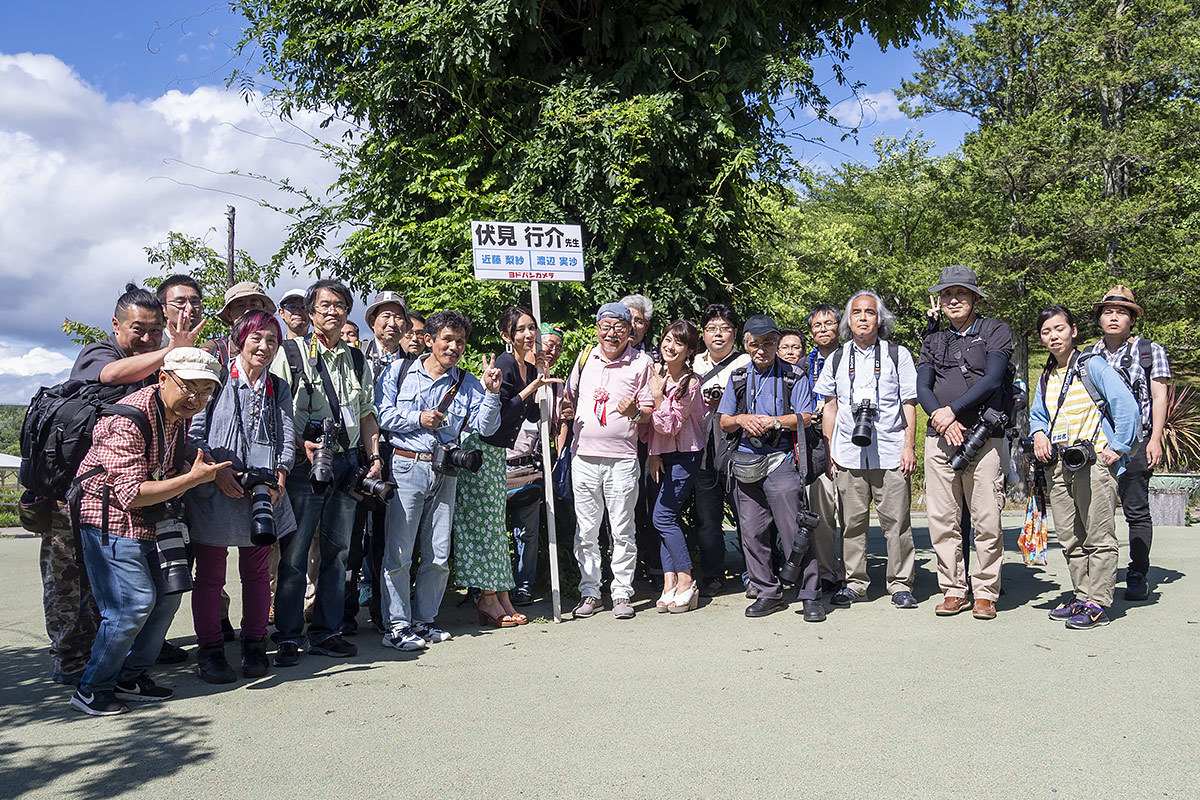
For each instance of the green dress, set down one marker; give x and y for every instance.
(481, 554)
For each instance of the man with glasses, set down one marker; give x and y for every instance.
(413, 341)
(719, 326)
(295, 318)
(333, 394)
(182, 302)
(608, 394)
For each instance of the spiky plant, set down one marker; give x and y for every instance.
(1181, 434)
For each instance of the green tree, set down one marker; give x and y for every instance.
(653, 124)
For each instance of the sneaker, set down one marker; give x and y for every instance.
(1090, 616)
(334, 647)
(142, 689)
(1066, 610)
(404, 639)
(430, 632)
(288, 654)
(171, 654)
(622, 608)
(98, 704)
(904, 600)
(587, 607)
(845, 596)
(1136, 587)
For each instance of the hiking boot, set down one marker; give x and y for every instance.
(254, 657)
(212, 666)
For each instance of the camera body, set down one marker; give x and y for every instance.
(323, 432)
(259, 482)
(361, 487)
(977, 437)
(713, 393)
(1025, 445)
(863, 432)
(791, 569)
(170, 539)
(448, 459)
(1079, 454)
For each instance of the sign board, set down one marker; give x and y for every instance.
(527, 251)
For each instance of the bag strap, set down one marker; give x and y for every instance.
(720, 365)
(359, 359)
(295, 360)
(335, 405)
(405, 365)
(1085, 377)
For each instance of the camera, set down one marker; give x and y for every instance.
(1025, 445)
(170, 539)
(713, 393)
(791, 569)
(1079, 454)
(448, 459)
(259, 482)
(977, 437)
(323, 433)
(864, 423)
(769, 439)
(362, 487)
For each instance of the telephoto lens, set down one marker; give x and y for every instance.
(1080, 454)
(864, 424)
(321, 474)
(379, 489)
(976, 438)
(172, 557)
(262, 516)
(791, 569)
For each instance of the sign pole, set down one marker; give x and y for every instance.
(548, 483)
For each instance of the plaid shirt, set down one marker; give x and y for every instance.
(1127, 356)
(118, 447)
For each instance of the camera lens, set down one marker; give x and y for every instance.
(864, 424)
(172, 561)
(467, 459)
(262, 516)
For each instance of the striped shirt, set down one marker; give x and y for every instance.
(1080, 419)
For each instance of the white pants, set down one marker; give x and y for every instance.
(599, 484)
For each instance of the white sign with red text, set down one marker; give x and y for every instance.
(527, 251)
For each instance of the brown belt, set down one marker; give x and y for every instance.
(411, 454)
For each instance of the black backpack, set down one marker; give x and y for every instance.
(57, 432)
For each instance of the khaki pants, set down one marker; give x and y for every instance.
(1084, 505)
(823, 500)
(982, 484)
(891, 492)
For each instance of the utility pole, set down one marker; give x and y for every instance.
(229, 214)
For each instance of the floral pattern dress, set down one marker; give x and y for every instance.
(481, 554)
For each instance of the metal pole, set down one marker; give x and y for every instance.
(547, 480)
(230, 212)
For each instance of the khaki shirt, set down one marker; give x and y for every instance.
(357, 399)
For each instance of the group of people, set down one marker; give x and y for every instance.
(326, 460)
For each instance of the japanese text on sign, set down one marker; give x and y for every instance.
(526, 251)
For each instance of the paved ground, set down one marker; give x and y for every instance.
(875, 703)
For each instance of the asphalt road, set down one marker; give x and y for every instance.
(875, 703)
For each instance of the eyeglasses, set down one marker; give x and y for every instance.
(718, 329)
(612, 327)
(190, 393)
(332, 308)
(826, 325)
(183, 302)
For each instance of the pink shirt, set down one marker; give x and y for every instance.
(601, 430)
(677, 426)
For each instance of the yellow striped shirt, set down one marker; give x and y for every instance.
(1080, 418)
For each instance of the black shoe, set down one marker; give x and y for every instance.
(521, 597)
(830, 587)
(711, 587)
(1136, 587)
(227, 630)
(904, 600)
(142, 690)
(254, 657)
(814, 611)
(334, 647)
(98, 704)
(763, 607)
(288, 655)
(845, 596)
(212, 666)
(171, 654)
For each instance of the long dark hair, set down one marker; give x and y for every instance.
(687, 334)
(1049, 312)
(509, 317)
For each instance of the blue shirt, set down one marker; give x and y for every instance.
(400, 407)
(764, 395)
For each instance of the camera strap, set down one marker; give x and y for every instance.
(447, 400)
(878, 369)
(268, 411)
(335, 407)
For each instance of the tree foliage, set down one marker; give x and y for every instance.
(653, 124)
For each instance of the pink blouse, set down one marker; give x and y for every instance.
(677, 425)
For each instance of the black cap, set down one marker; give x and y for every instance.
(759, 325)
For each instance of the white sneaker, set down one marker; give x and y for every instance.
(431, 633)
(404, 639)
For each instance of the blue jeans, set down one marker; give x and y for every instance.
(675, 488)
(331, 517)
(527, 525)
(422, 505)
(134, 613)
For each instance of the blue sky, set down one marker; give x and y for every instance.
(116, 127)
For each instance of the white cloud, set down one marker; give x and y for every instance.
(90, 180)
(16, 360)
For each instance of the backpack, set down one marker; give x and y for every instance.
(1085, 377)
(1013, 397)
(1124, 368)
(57, 432)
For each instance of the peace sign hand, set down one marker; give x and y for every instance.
(935, 307)
(491, 375)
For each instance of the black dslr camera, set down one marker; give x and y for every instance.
(361, 487)
(170, 539)
(977, 437)
(1025, 445)
(713, 392)
(324, 433)
(259, 482)
(1079, 454)
(790, 571)
(448, 459)
(863, 432)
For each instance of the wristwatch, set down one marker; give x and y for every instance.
(777, 424)
(375, 458)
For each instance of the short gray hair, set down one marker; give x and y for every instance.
(887, 320)
(641, 303)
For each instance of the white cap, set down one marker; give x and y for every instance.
(193, 364)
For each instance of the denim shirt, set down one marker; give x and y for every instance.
(400, 407)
